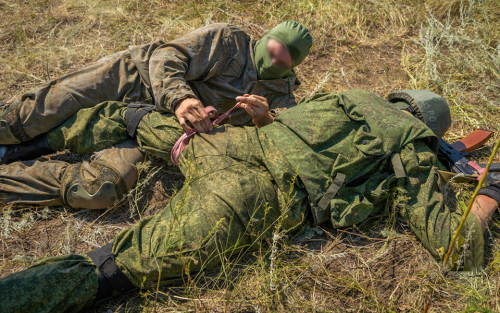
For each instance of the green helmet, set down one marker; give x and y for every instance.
(429, 107)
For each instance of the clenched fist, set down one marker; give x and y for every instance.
(192, 110)
(258, 109)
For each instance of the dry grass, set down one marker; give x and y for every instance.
(449, 46)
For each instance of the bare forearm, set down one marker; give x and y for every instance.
(483, 208)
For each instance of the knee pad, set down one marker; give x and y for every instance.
(92, 186)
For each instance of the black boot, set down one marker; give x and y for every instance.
(27, 150)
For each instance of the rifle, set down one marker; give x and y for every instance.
(456, 160)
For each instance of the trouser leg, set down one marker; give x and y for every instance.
(64, 283)
(88, 185)
(213, 218)
(217, 216)
(430, 219)
(158, 132)
(227, 206)
(106, 179)
(91, 129)
(114, 77)
(32, 182)
(101, 126)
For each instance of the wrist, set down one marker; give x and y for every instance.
(179, 101)
(270, 119)
(492, 193)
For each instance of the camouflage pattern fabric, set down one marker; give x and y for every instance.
(32, 182)
(63, 283)
(114, 77)
(104, 125)
(229, 204)
(353, 133)
(214, 64)
(47, 183)
(429, 218)
(356, 133)
(238, 189)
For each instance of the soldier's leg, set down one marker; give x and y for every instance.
(64, 283)
(91, 129)
(107, 178)
(228, 205)
(430, 219)
(214, 217)
(99, 127)
(225, 207)
(158, 132)
(95, 185)
(114, 77)
(32, 182)
(58, 284)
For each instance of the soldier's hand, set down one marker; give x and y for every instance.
(258, 109)
(192, 110)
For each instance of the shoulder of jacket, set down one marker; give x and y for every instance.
(226, 29)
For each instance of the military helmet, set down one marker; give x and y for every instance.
(427, 106)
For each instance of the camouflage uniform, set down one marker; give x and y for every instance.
(214, 64)
(92, 185)
(104, 125)
(52, 183)
(237, 182)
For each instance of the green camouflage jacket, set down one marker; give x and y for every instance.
(214, 64)
(354, 133)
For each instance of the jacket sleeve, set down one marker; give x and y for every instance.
(429, 217)
(279, 102)
(198, 55)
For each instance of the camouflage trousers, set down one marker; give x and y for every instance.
(114, 77)
(239, 189)
(90, 130)
(103, 125)
(93, 185)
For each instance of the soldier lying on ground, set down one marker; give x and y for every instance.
(208, 67)
(349, 151)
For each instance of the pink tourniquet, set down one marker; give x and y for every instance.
(184, 140)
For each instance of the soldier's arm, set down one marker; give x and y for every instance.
(279, 102)
(426, 212)
(258, 108)
(483, 208)
(196, 56)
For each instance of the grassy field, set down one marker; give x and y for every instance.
(449, 46)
